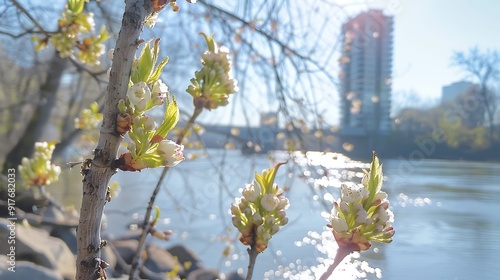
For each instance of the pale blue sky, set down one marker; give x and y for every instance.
(426, 32)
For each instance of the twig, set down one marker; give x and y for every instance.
(269, 37)
(196, 113)
(28, 15)
(342, 252)
(15, 36)
(252, 253)
(136, 262)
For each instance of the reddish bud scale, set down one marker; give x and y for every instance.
(126, 163)
(249, 238)
(354, 242)
(158, 5)
(123, 123)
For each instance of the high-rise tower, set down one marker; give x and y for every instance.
(365, 78)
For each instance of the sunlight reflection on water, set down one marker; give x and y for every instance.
(404, 200)
(445, 215)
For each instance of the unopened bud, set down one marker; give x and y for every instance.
(284, 203)
(257, 219)
(274, 229)
(281, 214)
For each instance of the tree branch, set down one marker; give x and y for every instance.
(252, 253)
(28, 15)
(97, 177)
(15, 36)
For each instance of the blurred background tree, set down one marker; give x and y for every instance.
(283, 60)
(483, 68)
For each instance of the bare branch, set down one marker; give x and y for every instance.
(28, 15)
(15, 36)
(97, 178)
(484, 68)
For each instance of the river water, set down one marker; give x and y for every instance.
(446, 216)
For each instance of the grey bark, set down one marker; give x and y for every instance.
(98, 175)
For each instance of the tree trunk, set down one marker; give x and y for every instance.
(488, 103)
(98, 175)
(41, 116)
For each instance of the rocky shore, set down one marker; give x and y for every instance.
(45, 249)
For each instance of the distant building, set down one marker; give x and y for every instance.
(451, 92)
(366, 70)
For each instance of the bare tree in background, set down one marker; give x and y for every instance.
(39, 98)
(284, 59)
(284, 53)
(484, 68)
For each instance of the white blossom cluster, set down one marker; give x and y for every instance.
(39, 170)
(260, 212)
(362, 213)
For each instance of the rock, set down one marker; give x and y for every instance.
(108, 256)
(204, 274)
(68, 235)
(122, 277)
(234, 276)
(160, 260)
(157, 261)
(25, 200)
(184, 255)
(37, 246)
(53, 214)
(49, 215)
(26, 270)
(126, 250)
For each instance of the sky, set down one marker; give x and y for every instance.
(427, 32)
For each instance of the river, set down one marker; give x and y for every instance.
(446, 216)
